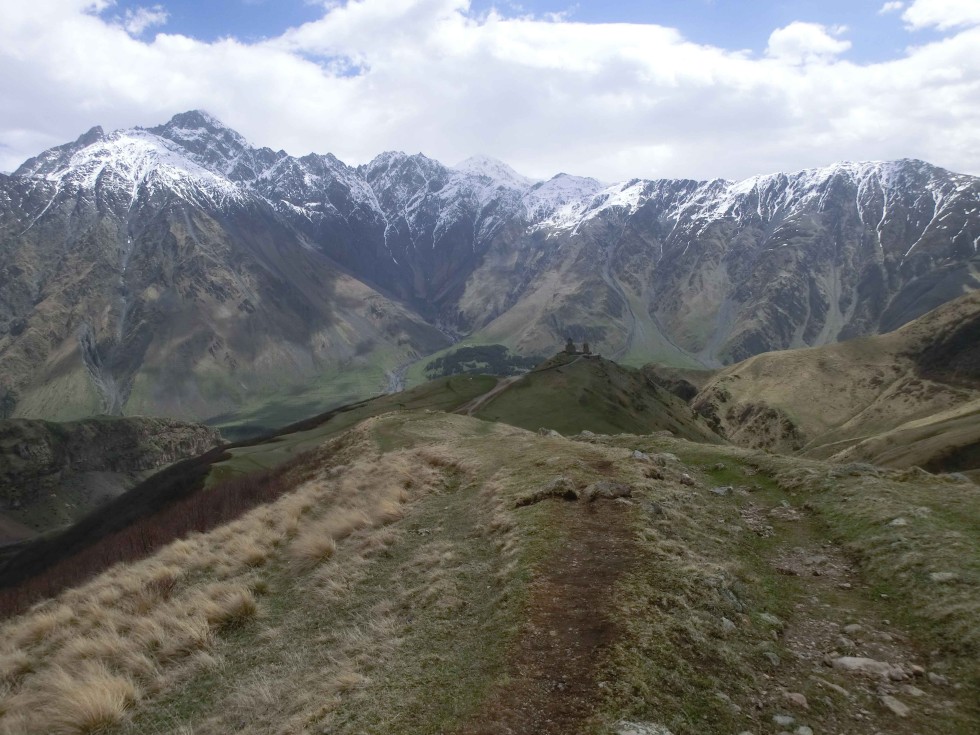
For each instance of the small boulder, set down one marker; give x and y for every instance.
(783, 720)
(770, 619)
(722, 490)
(640, 456)
(607, 490)
(938, 679)
(942, 576)
(861, 665)
(853, 629)
(958, 477)
(549, 433)
(796, 699)
(896, 707)
(623, 727)
(686, 479)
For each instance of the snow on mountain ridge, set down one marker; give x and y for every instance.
(196, 152)
(137, 157)
(496, 170)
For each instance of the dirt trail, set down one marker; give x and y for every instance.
(836, 617)
(551, 689)
(479, 402)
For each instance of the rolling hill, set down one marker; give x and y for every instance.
(910, 397)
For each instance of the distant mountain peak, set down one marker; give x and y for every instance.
(94, 135)
(195, 119)
(494, 169)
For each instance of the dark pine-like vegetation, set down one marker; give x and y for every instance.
(482, 360)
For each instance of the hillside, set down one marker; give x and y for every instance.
(910, 397)
(179, 271)
(566, 393)
(427, 572)
(52, 474)
(570, 394)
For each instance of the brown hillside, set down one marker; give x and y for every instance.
(906, 398)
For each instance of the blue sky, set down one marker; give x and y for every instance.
(731, 24)
(678, 88)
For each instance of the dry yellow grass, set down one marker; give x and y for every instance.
(86, 699)
(147, 626)
(312, 548)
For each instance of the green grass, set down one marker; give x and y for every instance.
(423, 624)
(673, 664)
(444, 394)
(570, 396)
(266, 413)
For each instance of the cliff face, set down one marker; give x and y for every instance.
(53, 473)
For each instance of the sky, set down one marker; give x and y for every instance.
(615, 89)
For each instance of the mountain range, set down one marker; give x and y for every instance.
(177, 270)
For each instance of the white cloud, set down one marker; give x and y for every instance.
(135, 21)
(891, 7)
(806, 43)
(942, 14)
(612, 101)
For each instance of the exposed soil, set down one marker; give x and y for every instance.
(551, 687)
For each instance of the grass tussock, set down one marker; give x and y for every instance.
(82, 701)
(140, 629)
(314, 547)
(230, 606)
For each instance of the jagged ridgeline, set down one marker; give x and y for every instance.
(180, 271)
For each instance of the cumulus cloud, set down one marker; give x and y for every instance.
(137, 20)
(546, 95)
(942, 14)
(891, 7)
(806, 43)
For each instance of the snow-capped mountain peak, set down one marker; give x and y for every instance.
(212, 145)
(495, 170)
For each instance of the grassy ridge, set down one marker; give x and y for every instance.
(570, 394)
(392, 586)
(172, 503)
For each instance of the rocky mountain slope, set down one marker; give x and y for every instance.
(179, 270)
(910, 397)
(52, 474)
